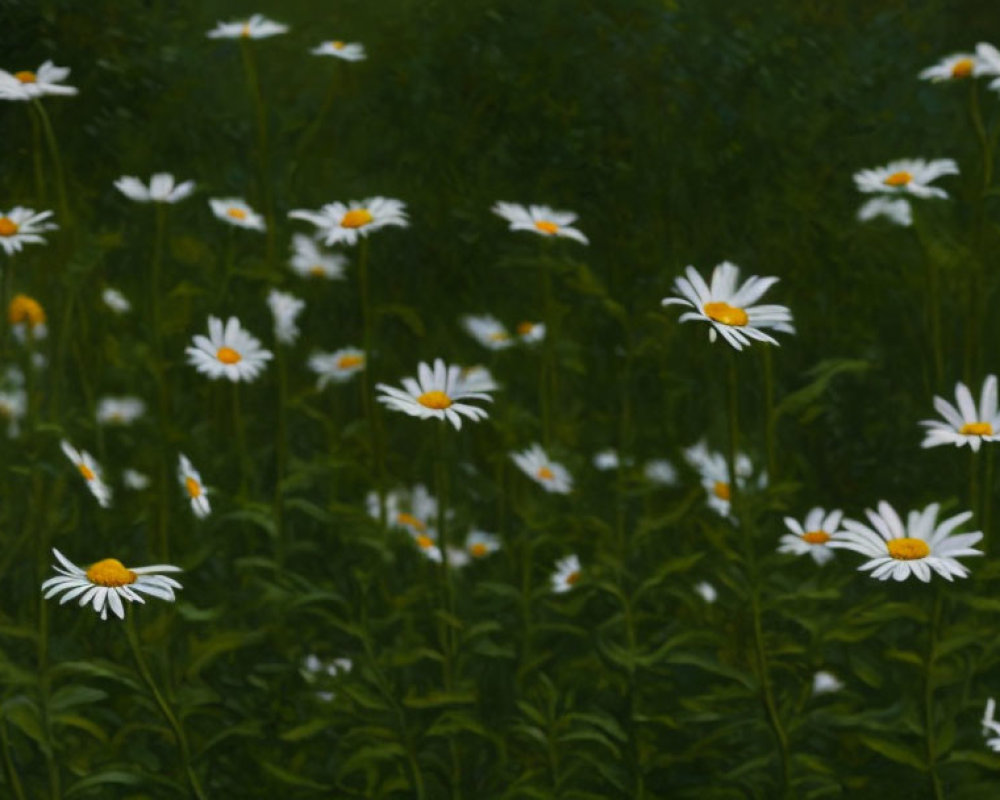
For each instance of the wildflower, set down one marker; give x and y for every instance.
(336, 222)
(706, 592)
(413, 510)
(479, 544)
(953, 67)
(257, 27)
(436, 393)
(190, 480)
(336, 367)
(316, 670)
(13, 407)
(540, 219)
(906, 176)
(228, 352)
(162, 188)
(348, 51)
(106, 583)
(715, 475)
(116, 301)
(309, 261)
(488, 331)
(813, 536)
(727, 309)
(567, 574)
(119, 410)
(988, 58)
(965, 424)
(90, 471)
(825, 682)
(285, 308)
(606, 460)
(27, 318)
(236, 212)
(427, 544)
(477, 379)
(990, 725)
(135, 480)
(27, 85)
(548, 474)
(894, 209)
(660, 471)
(531, 332)
(21, 226)
(922, 545)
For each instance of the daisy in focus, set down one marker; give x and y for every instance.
(715, 475)
(336, 367)
(727, 307)
(235, 211)
(27, 318)
(286, 309)
(436, 393)
(541, 220)
(90, 471)
(21, 226)
(906, 176)
(336, 222)
(917, 548)
(116, 301)
(550, 475)
(119, 410)
(965, 424)
(228, 351)
(990, 725)
(812, 536)
(348, 51)
(194, 489)
(488, 331)
(28, 85)
(895, 209)
(257, 27)
(310, 262)
(162, 188)
(951, 68)
(567, 574)
(107, 583)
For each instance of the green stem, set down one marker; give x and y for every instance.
(50, 139)
(929, 696)
(159, 240)
(987, 502)
(8, 762)
(241, 441)
(974, 485)
(370, 409)
(769, 429)
(36, 153)
(933, 299)
(253, 81)
(280, 452)
(546, 377)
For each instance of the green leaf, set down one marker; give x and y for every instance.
(110, 777)
(292, 779)
(306, 730)
(68, 696)
(894, 751)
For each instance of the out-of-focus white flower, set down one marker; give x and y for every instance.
(13, 407)
(715, 475)
(257, 27)
(895, 209)
(119, 410)
(813, 536)
(541, 220)
(21, 226)
(337, 222)
(550, 475)
(237, 212)
(606, 459)
(488, 331)
(348, 51)
(29, 85)
(477, 379)
(479, 544)
(336, 367)
(320, 671)
(567, 574)
(190, 480)
(531, 332)
(309, 261)
(135, 480)
(27, 318)
(116, 301)
(906, 176)
(660, 471)
(953, 67)
(990, 725)
(162, 188)
(825, 682)
(90, 471)
(706, 592)
(285, 308)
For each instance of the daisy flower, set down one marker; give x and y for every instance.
(107, 583)
(548, 474)
(162, 188)
(706, 592)
(310, 262)
(479, 544)
(135, 480)
(540, 219)
(531, 332)
(236, 212)
(316, 670)
(190, 480)
(477, 379)
(90, 471)
(228, 352)
(435, 394)
(898, 551)
(13, 407)
(116, 301)
(825, 682)
(336, 222)
(953, 67)
(567, 574)
(28, 85)
(336, 367)
(348, 51)
(27, 318)
(811, 536)
(895, 209)
(285, 308)
(487, 330)
(21, 226)
(715, 475)
(257, 27)
(606, 460)
(427, 544)
(661, 472)
(906, 176)
(413, 510)
(988, 63)
(119, 410)
(965, 424)
(727, 309)
(990, 725)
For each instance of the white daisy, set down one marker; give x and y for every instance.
(349, 51)
(257, 27)
(825, 682)
(661, 472)
(107, 583)
(135, 480)
(190, 480)
(116, 301)
(435, 394)
(413, 510)
(90, 471)
(13, 407)
(336, 222)
(988, 63)
(965, 424)
(316, 670)
(567, 574)
(812, 536)
(895, 209)
(28, 85)
(228, 352)
(715, 475)
(727, 309)
(953, 67)
(606, 460)
(479, 544)
(990, 725)
(27, 318)
(550, 475)
(906, 176)
(427, 544)
(311, 262)
(540, 219)
(899, 551)
(235, 211)
(336, 367)
(531, 332)
(477, 379)
(162, 188)
(488, 331)
(285, 308)
(21, 226)
(706, 592)
(119, 410)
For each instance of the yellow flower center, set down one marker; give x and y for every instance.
(545, 474)
(816, 537)
(962, 69)
(227, 355)
(110, 572)
(236, 213)
(245, 30)
(87, 472)
(349, 362)
(434, 399)
(478, 550)
(424, 542)
(499, 336)
(907, 549)
(317, 271)
(193, 487)
(340, 45)
(898, 179)
(412, 521)
(356, 218)
(721, 490)
(7, 226)
(524, 328)
(546, 227)
(726, 314)
(25, 76)
(572, 578)
(976, 429)
(25, 309)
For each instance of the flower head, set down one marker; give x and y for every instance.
(119, 410)
(567, 574)
(257, 27)
(194, 489)
(531, 332)
(107, 583)
(813, 536)
(90, 471)
(661, 472)
(715, 475)
(310, 262)
(906, 176)
(135, 480)
(21, 226)
(990, 725)
(13, 407)
(235, 211)
(285, 308)
(541, 220)
(825, 682)
(412, 510)
(228, 352)
(336, 222)
(550, 475)
(895, 209)
(337, 367)
(28, 85)
(706, 592)
(162, 188)
(953, 67)
(477, 379)
(116, 301)
(988, 63)
(488, 331)
(607, 459)
(965, 424)
(27, 318)
(436, 393)
(479, 544)
(348, 51)
(316, 670)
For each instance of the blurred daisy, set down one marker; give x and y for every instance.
(606, 460)
(228, 352)
(990, 725)
(427, 545)
(27, 318)
(706, 592)
(162, 188)
(116, 301)
(965, 424)
(567, 574)
(107, 583)
(953, 67)
(119, 410)
(314, 670)
(28, 85)
(727, 309)
(825, 682)
(236, 212)
(812, 536)
(414, 510)
(311, 262)
(479, 544)
(715, 475)
(531, 332)
(336, 222)
(540, 219)
(899, 551)
(661, 472)
(550, 475)
(895, 209)
(436, 393)
(190, 480)
(285, 308)
(906, 176)
(21, 226)
(13, 407)
(90, 471)
(135, 480)
(477, 379)
(988, 58)
(487, 330)
(257, 27)
(336, 367)
(458, 558)
(349, 51)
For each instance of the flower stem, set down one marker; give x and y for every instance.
(50, 139)
(159, 240)
(280, 452)
(253, 82)
(8, 762)
(546, 377)
(36, 152)
(929, 695)
(241, 441)
(370, 408)
(986, 518)
(769, 431)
